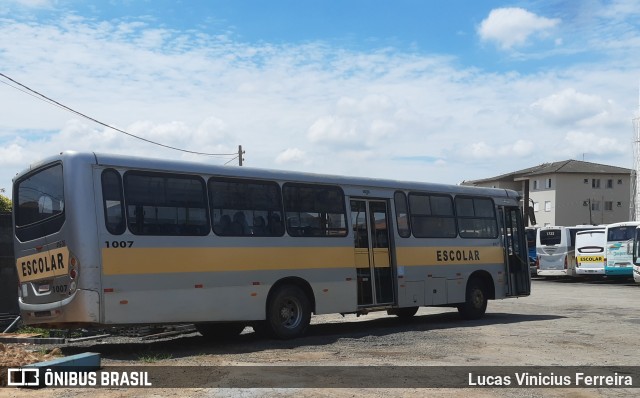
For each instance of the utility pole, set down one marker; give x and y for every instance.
(240, 153)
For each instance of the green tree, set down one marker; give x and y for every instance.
(5, 203)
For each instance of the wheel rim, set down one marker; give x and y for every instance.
(290, 313)
(477, 298)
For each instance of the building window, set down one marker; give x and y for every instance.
(547, 183)
(535, 184)
(547, 205)
(586, 180)
(610, 183)
(608, 205)
(595, 183)
(595, 205)
(620, 182)
(536, 206)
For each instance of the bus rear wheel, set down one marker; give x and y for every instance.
(403, 313)
(220, 331)
(288, 313)
(475, 304)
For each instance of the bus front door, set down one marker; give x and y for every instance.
(516, 256)
(369, 219)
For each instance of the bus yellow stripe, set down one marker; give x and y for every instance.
(168, 260)
(131, 261)
(414, 256)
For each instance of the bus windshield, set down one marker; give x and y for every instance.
(624, 233)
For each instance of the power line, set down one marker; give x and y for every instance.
(27, 90)
(231, 160)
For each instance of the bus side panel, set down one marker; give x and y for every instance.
(443, 271)
(171, 282)
(219, 296)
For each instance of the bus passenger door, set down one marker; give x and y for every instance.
(369, 220)
(516, 256)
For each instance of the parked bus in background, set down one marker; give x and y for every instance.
(556, 250)
(113, 240)
(636, 255)
(532, 242)
(619, 249)
(590, 251)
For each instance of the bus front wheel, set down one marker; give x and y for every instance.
(288, 312)
(475, 304)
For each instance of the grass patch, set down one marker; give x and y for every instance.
(152, 356)
(31, 330)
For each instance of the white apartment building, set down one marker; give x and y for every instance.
(570, 192)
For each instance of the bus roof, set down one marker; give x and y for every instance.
(182, 166)
(624, 224)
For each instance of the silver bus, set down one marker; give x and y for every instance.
(113, 240)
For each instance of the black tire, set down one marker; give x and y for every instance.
(403, 313)
(220, 331)
(288, 313)
(475, 304)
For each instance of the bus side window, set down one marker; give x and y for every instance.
(314, 210)
(164, 204)
(402, 214)
(242, 207)
(432, 215)
(112, 202)
(476, 217)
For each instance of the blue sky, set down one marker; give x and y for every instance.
(440, 91)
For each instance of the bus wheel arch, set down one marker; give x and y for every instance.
(480, 288)
(288, 309)
(404, 312)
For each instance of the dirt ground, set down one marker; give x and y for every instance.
(561, 324)
(16, 355)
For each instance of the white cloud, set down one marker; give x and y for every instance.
(578, 143)
(291, 155)
(304, 107)
(333, 130)
(357, 122)
(512, 27)
(570, 106)
(482, 150)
